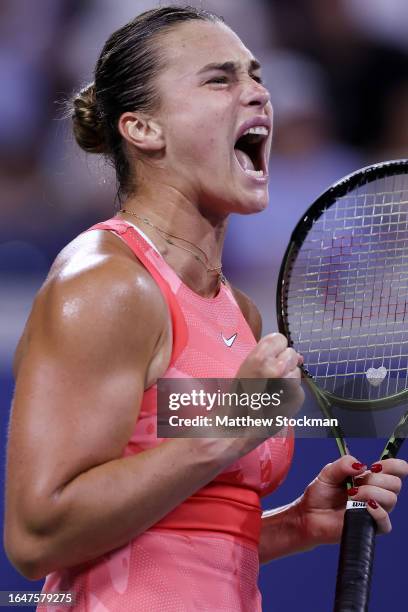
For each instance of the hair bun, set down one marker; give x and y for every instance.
(87, 125)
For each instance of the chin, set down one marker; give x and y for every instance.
(239, 201)
(251, 203)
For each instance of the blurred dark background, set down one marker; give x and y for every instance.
(338, 76)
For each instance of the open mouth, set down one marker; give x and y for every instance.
(249, 151)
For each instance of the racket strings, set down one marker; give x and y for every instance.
(347, 293)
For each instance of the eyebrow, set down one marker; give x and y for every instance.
(230, 67)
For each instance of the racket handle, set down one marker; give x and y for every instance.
(356, 561)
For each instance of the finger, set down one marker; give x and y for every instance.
(335, 473)
(277, 367)
(296, 373)
(397, 467)
(384, 481)
(380, 516)
(271, 368)
(273, 344)
(387, 499)
(286, 361)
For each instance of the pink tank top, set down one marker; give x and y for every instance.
(199, 350)
(229, 506)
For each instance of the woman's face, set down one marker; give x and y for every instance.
(210, 95)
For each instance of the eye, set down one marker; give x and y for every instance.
(218, 80)
(258, 79)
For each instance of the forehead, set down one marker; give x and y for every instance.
(190, 46)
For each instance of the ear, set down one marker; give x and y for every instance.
(142, 131)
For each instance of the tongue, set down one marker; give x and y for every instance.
(244, 160)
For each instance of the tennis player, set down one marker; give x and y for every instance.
(95, 501)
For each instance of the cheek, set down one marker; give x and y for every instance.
(197, 133)
(198, 143)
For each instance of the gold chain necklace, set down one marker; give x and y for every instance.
(167, 237)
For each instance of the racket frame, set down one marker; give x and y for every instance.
(356, 553)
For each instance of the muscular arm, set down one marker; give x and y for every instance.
(96, 338)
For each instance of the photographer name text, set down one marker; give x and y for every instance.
(249, 421)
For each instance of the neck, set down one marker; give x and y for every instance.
(171, 211)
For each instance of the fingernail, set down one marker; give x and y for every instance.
(358, 466)
(373, 504)
(352, 491)
(376, 467)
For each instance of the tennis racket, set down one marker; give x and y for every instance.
(342, 303)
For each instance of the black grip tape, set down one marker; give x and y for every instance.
(355, 562)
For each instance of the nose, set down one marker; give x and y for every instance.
(255, 94)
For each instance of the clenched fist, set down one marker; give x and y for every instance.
(271, 358)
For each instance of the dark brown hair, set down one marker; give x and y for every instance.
(124, 81)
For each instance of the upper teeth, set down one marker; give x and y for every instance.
(258, 129)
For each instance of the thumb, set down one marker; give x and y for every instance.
(336, 473)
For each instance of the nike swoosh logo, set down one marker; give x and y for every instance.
(229, 341)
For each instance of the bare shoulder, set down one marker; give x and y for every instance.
(97, 252)
(250, 311)
(95, 293)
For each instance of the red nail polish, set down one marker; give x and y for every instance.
(373, 504)
(358, 466)
(352, 491)
(376, 467)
